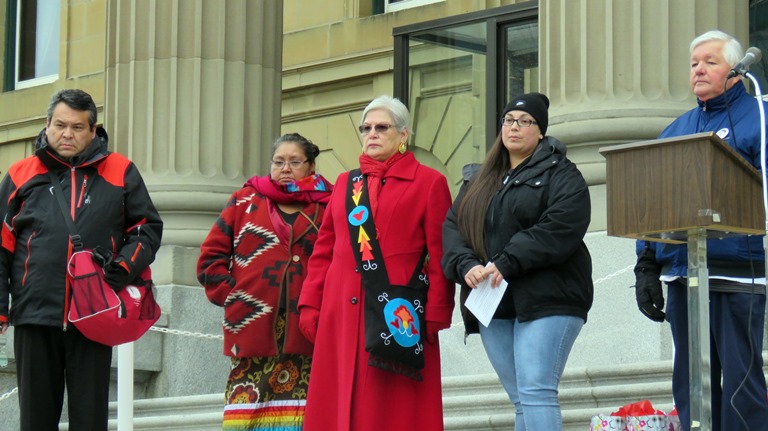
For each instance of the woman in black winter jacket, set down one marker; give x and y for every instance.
(522, 216)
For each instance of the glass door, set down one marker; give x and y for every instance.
(457, 74)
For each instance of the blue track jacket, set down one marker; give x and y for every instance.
(740, 256)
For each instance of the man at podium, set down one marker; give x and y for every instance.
(736, 264)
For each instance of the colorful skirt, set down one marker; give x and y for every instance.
(267, 393)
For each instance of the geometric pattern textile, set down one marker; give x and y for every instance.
(250, 309)
(267, 393)
(255, 240)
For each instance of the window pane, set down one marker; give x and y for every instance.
(447, 84)
(25, 48)
(395, 5)
(758, 36)
(47, 43)
(460, 73)
(521, 56)
(38, 38)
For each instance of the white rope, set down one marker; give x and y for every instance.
(8, 394)
(186, 333)
(615, 274)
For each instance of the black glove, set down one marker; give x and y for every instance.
(116, 275)
(101, 256)
(650, 297)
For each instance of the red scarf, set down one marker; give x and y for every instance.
(313, 188)
(375, 171)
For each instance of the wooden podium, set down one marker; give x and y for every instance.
(685, 189)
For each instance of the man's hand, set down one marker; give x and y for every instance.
(116, 271)
(117, 275)
(648, 292)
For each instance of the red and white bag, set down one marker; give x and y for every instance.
(106, 316)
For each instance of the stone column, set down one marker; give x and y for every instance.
(192, 96)
(627, 67)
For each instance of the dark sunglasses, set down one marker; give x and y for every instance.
(380, 128)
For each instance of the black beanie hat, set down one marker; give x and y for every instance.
(535, 104)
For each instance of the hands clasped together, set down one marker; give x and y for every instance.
(478, 273)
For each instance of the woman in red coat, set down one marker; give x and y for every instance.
(253, 263)
(377, 356)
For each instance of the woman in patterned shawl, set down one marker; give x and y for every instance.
(253, 264)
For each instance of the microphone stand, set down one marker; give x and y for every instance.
(760, 103)
(759, 96)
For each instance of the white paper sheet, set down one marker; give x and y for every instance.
(484, 299)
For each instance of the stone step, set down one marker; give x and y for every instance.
(187, 413)
(470, 403)
(177, 406)
(597, 400)
(573, 420)
(583, 393)
(660, 371)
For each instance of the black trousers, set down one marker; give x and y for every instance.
(47, 360)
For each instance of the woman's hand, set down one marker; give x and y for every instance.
(308, 318)
(431, 329)
(477, 274)
(494, 273)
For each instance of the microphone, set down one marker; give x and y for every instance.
(753, 55)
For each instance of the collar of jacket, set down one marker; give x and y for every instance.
(718, 103)
(547, 155)
(404, 169)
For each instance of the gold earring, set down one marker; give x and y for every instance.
(402, 147)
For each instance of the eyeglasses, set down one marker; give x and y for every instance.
(293, 164)
(522, 122)
(380, 128)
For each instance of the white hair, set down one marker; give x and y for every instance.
(732, 50)
(401, 118)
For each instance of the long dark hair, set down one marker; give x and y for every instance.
(477, 198)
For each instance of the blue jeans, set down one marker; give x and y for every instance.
(529, 359)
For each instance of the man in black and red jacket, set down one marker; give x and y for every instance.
(112, 209)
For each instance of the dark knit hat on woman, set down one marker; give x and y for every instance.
(536, 104)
